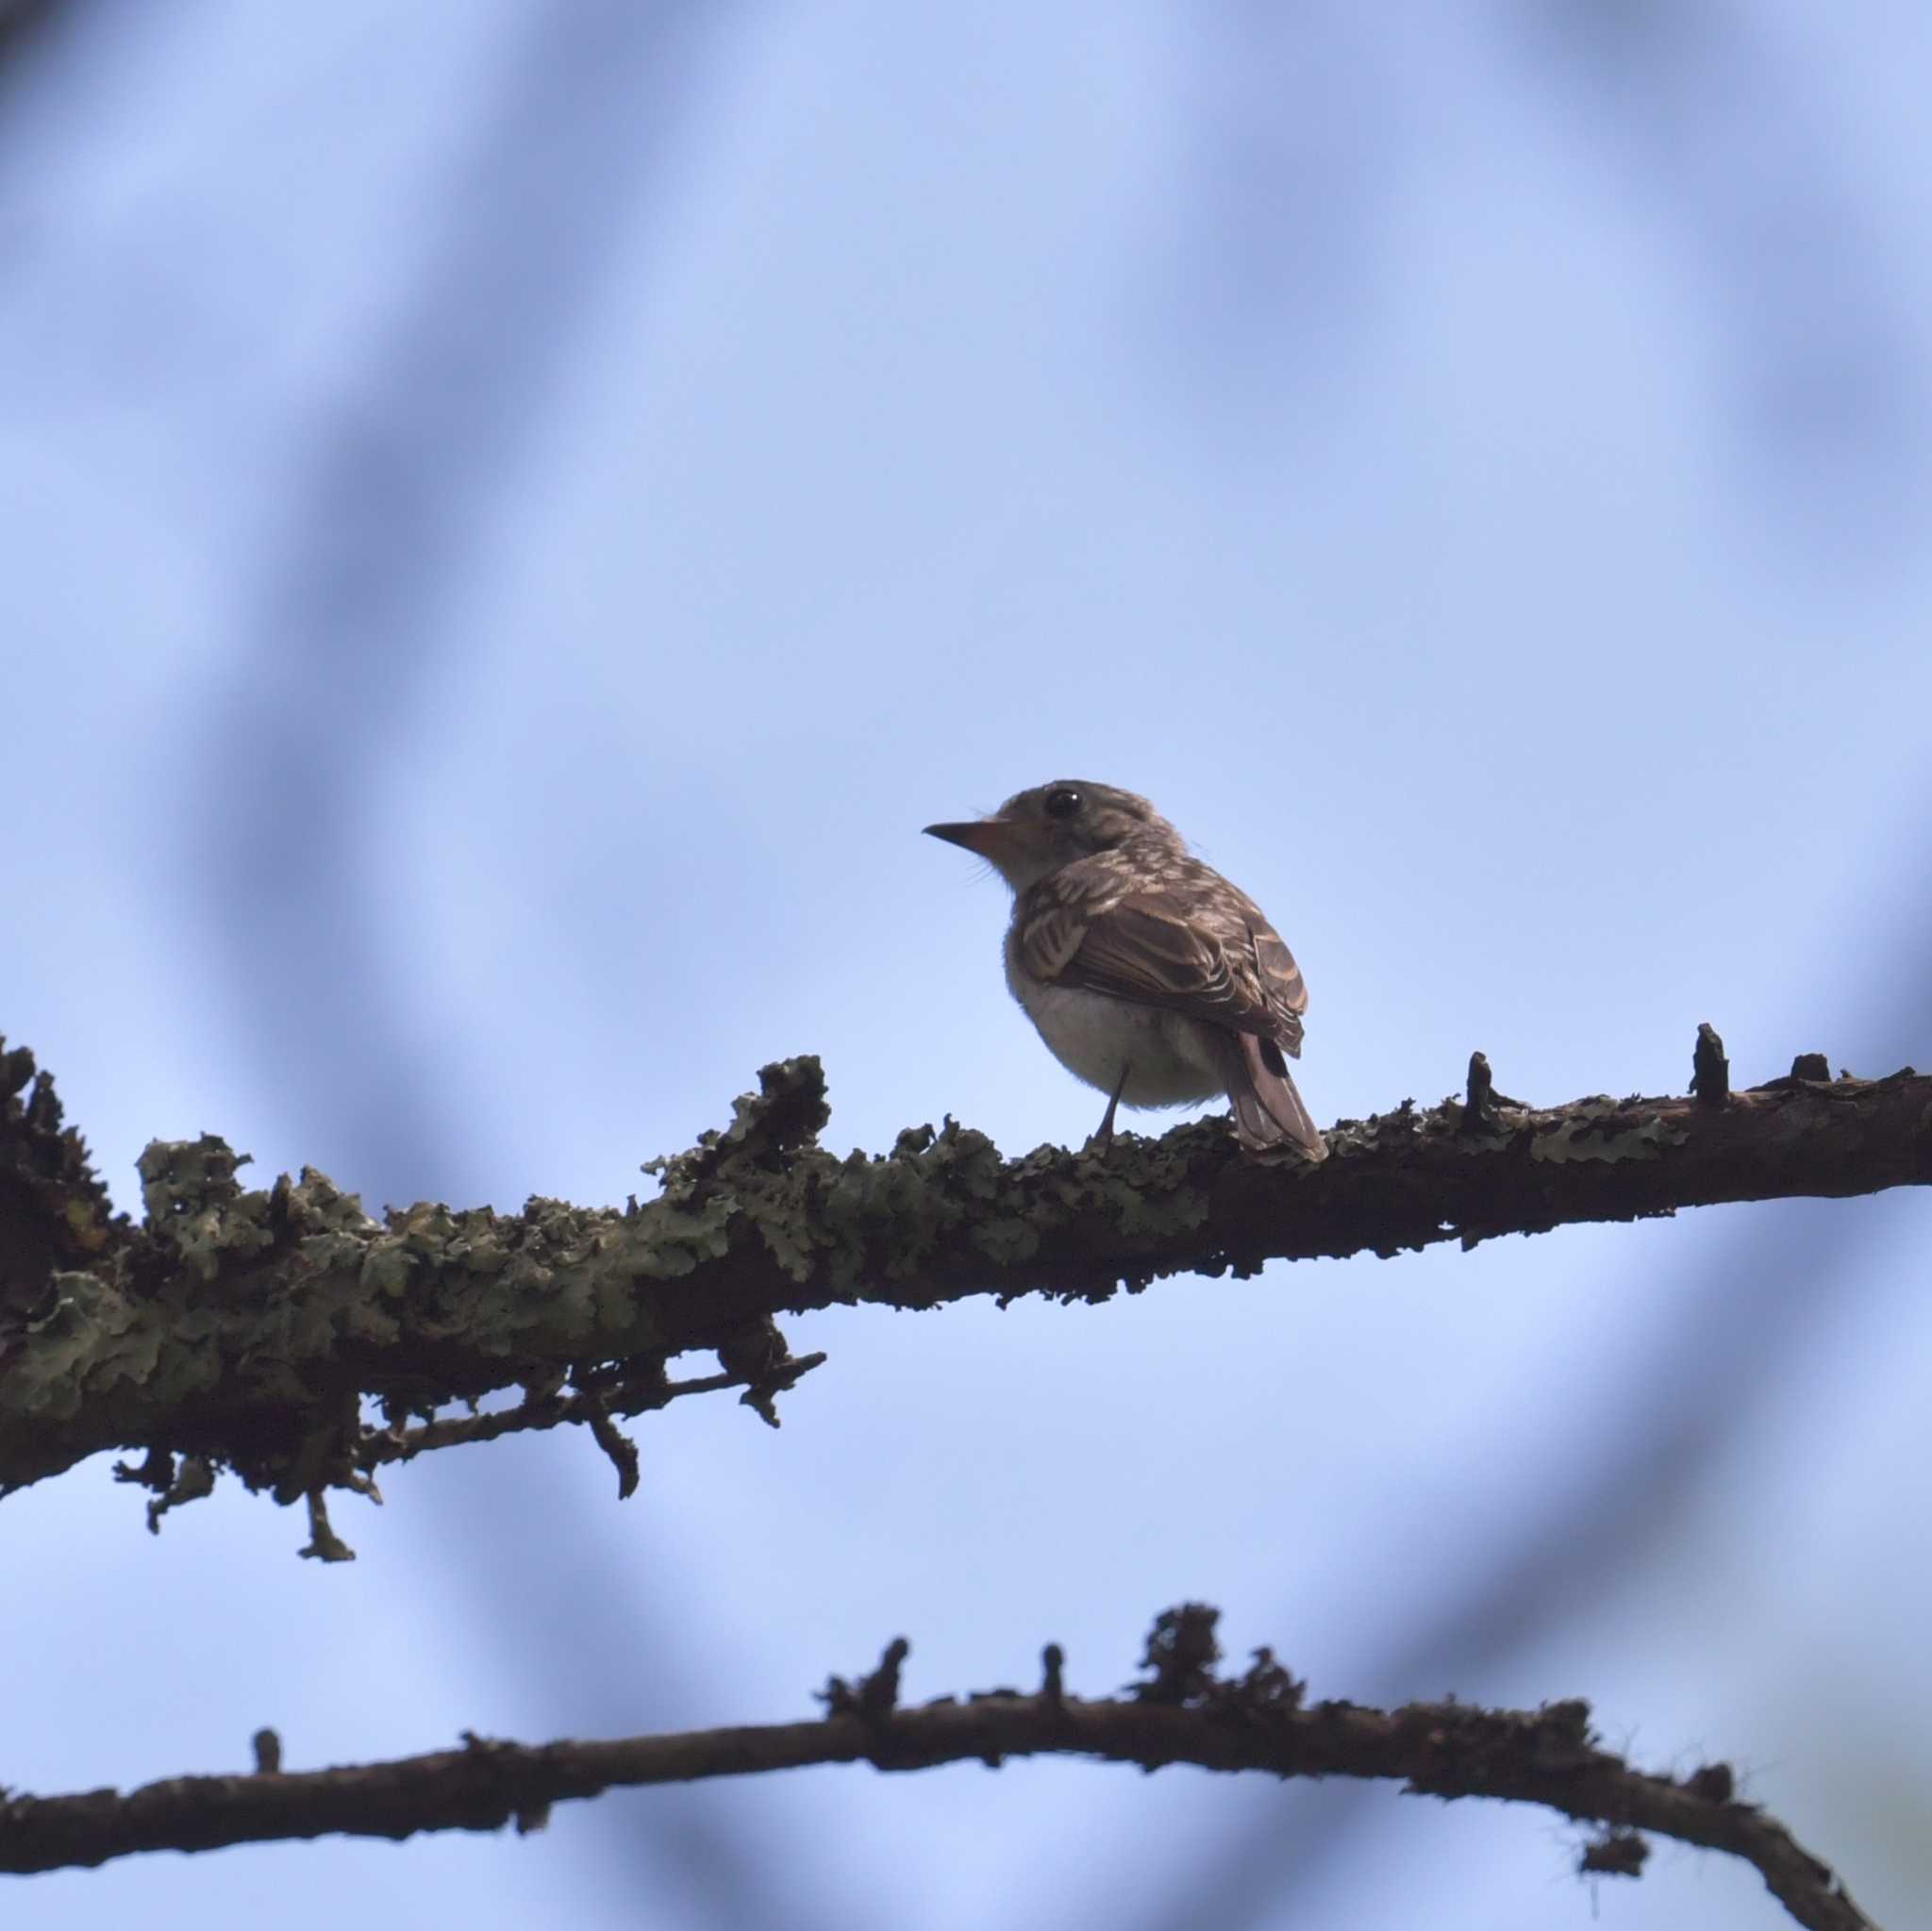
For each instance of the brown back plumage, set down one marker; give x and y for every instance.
(1160, 927)
(1147, 921)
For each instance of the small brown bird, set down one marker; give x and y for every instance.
(1147, 972)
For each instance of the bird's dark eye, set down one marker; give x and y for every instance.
(1063, 802)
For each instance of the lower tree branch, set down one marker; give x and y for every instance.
(246, 1329)
(1182, 1713)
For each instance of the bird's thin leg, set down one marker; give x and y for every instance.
(1104, 1138)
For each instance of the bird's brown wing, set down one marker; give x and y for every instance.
(1211, 956)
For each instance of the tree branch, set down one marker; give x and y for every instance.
(243, 1329)
(1181, 1713)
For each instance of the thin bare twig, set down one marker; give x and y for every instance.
(592, 1405)
(1182, 1713)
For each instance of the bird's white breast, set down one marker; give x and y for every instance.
(1093, 1036)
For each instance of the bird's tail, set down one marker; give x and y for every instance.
(1268, 1111)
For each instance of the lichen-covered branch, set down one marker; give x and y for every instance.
(1181, 1713)
(249, 1329)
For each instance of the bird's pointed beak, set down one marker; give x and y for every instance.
(997, 838)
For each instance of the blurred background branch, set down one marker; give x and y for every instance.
(23, 25)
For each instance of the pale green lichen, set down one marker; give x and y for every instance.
(1603, 1130)
(92, 1339)
(244, 1324)
(195, 1204)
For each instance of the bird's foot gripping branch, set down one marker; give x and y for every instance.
(287, 1336)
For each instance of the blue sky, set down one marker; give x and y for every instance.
(514, 517)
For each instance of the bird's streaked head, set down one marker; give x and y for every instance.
(1038, 831)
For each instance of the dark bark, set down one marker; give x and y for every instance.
(1182, 1714)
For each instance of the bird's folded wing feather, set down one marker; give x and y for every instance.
(1161, 950)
